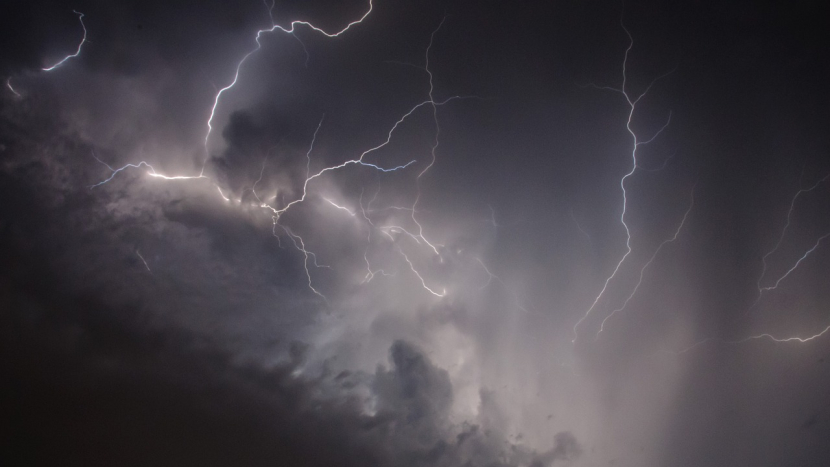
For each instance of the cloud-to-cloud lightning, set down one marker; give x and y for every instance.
(419, 237)
(632, 102)
(77, 52)
(310, 258)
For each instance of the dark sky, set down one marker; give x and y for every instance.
(477, 290)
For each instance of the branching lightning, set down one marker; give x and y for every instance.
(274, 27)
(419, 238)
(490, 275)
(277, 211)
(636, 143)
(763, 289)
(370, 227)
(434, 144)
(306, 255)
(648, 263)
(404, 230)
(77, 52)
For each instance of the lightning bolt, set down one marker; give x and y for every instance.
(222, 194)
(370, 274)
(77, 52)
(492, 277)
(662, 166)
(492, 219)
(143, 261)
(151, 172)
(416, 234)
(419, 237)
(803, 257)
(434, 144)
(421, 278)
(357, 161)
(306, 255)
(762, 289)
(219, 93)
(651, 260)
(342, 208)
(298, 241)
(9, 85)
(801, 340)
(274, 27)
(636, 143)
(276, 218)
(580, 228)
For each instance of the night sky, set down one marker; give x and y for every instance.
(414, 233)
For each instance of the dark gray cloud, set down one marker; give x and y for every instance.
(134, 398)
(70, 328)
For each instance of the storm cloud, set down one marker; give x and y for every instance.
(428, 241)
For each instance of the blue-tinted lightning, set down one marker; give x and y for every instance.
(636, 143)
(77, 52)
